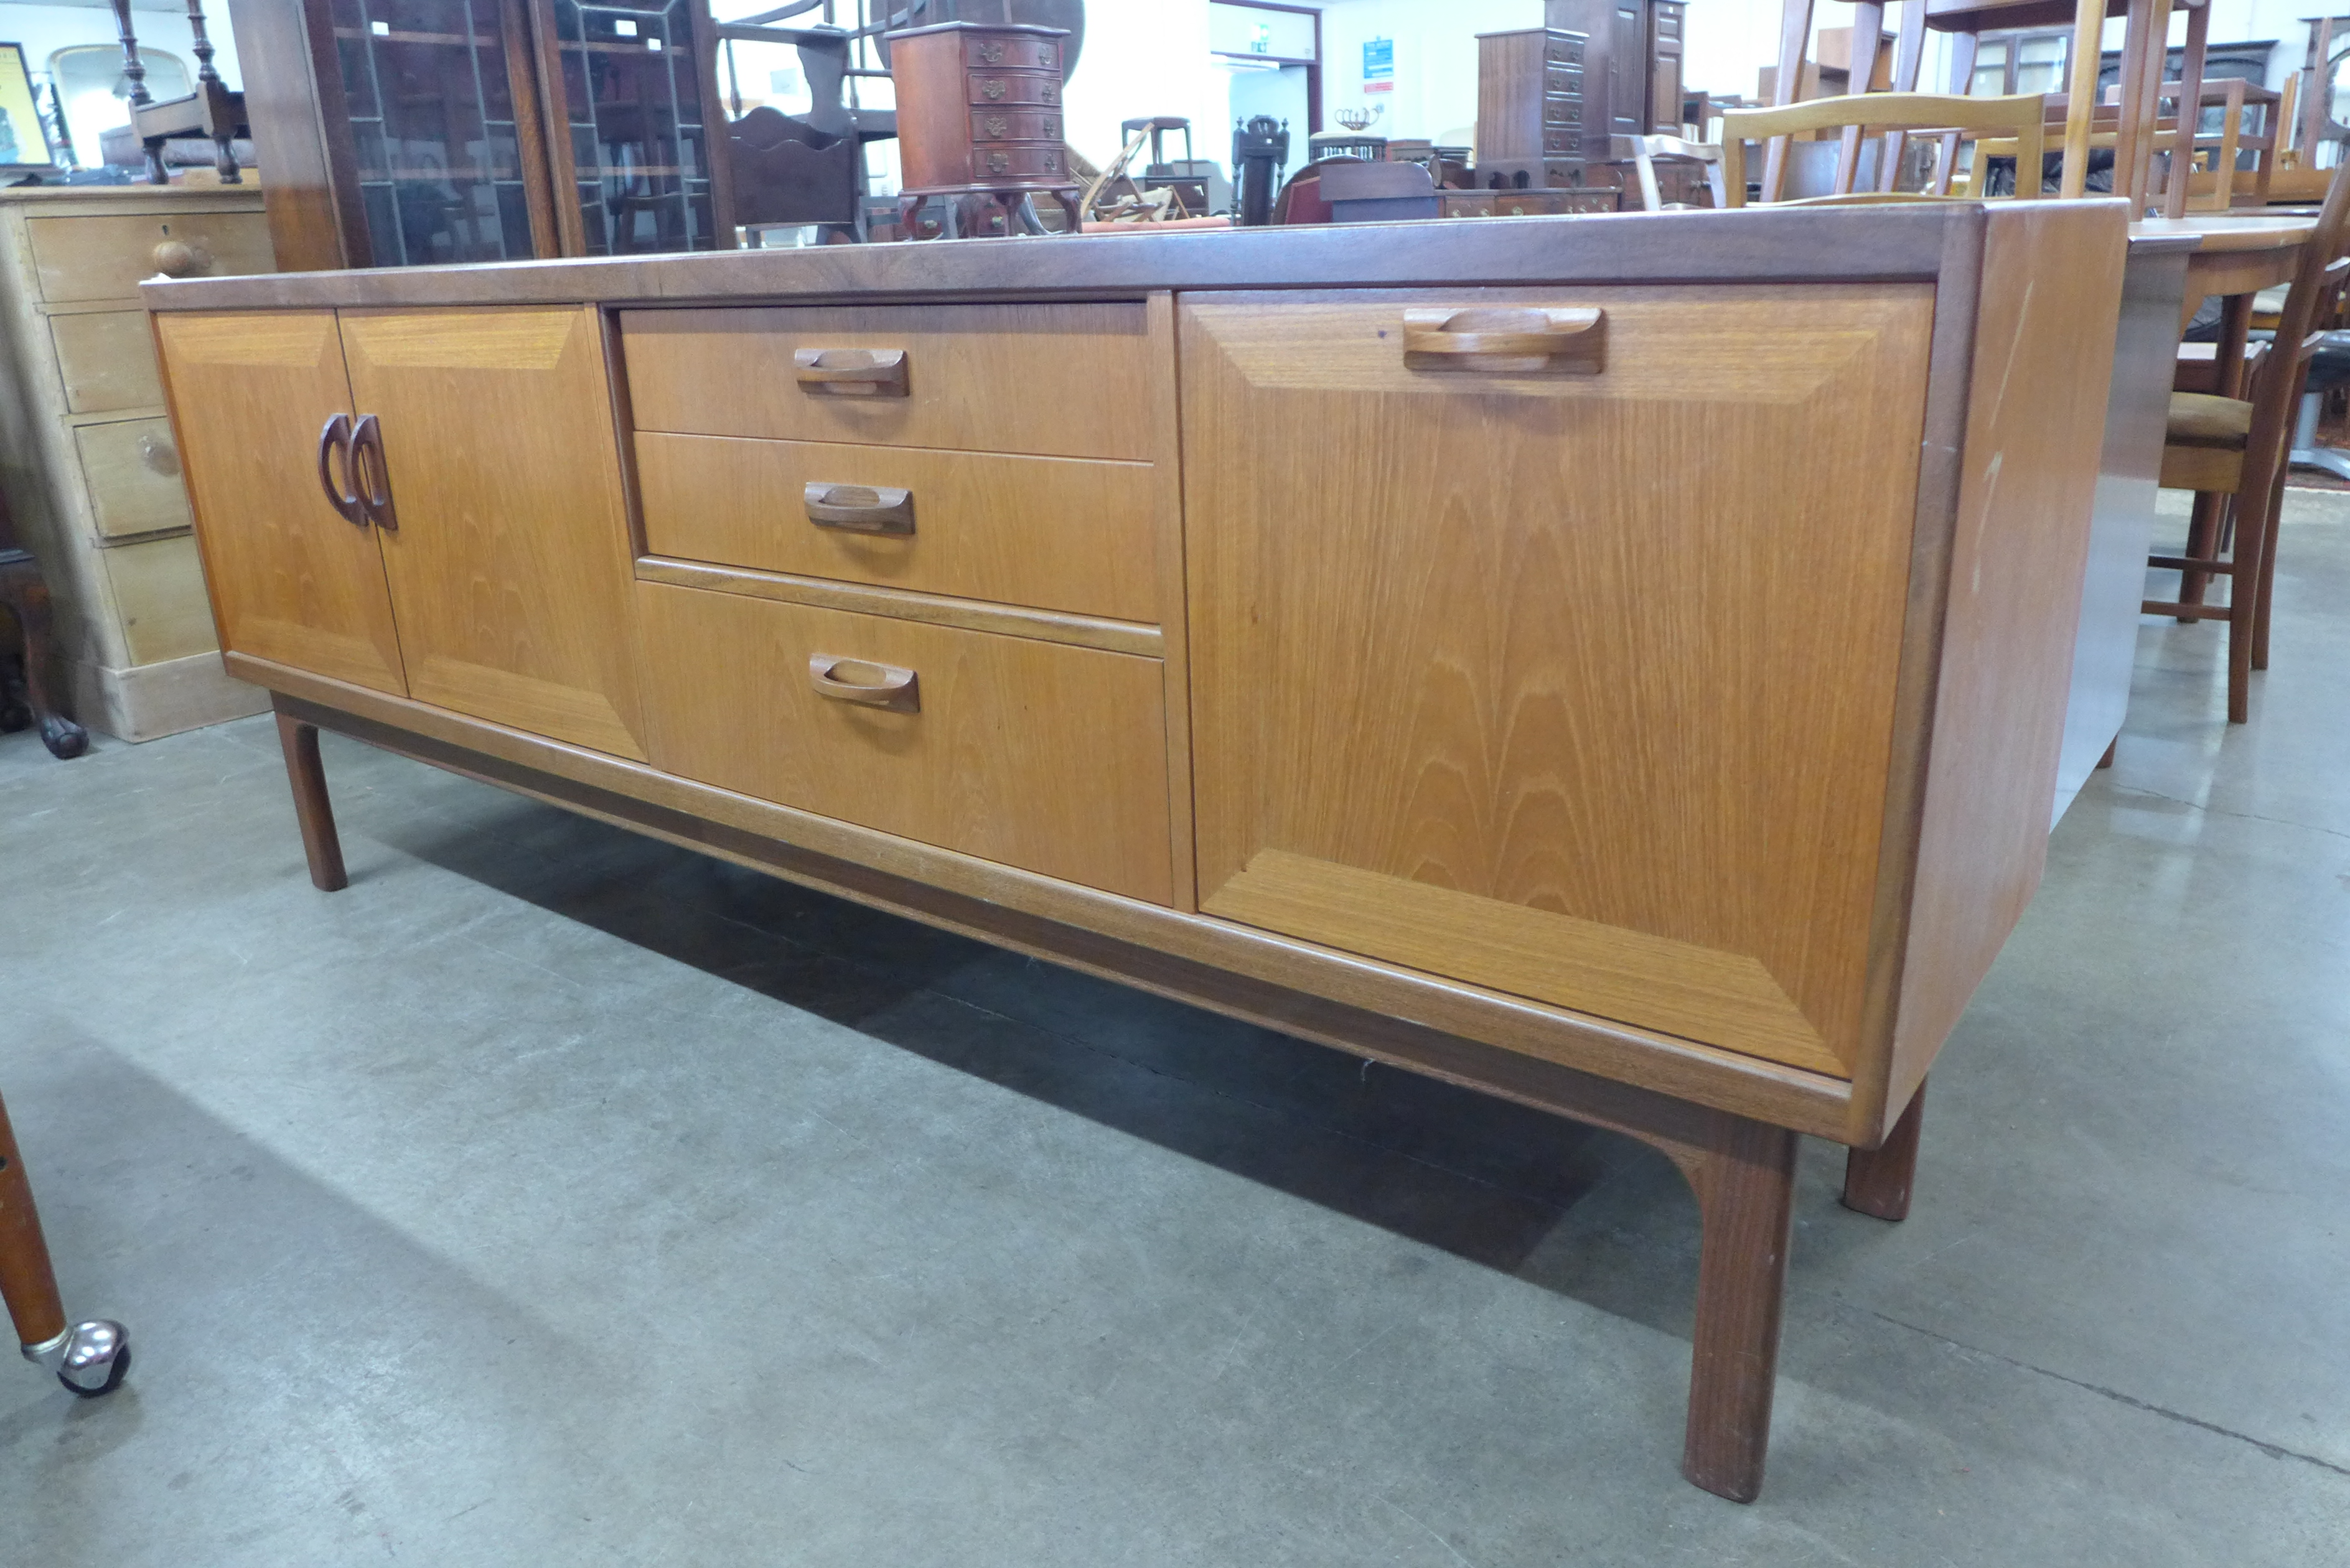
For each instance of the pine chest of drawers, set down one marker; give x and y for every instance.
(1627, 677)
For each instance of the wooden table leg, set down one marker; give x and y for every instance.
(1745, 1186)
(1879, 1180)
(312, 809)
(26, 1282)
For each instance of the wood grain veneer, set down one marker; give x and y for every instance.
(1619, 648)
(1049, 533)
(1037, 754)
(290, 580)
(510, 564)
(981, 377)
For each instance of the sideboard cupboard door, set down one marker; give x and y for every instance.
(509, 555)
(1577, 686)
(291, 581)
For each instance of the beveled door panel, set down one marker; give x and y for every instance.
(291, 580)
(1580, 687)
(509, 558)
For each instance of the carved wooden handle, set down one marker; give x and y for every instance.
(860, 508)
(371, 474)
(868, 685)
(851, 372)
(337, 437)
(1507, 339)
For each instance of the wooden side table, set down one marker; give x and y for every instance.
(978, 114)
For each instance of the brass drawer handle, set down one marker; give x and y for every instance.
(851, 372)
(337, 437)
(868, 685)
(860, 508)
(1508, 340)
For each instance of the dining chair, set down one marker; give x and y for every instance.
(2236, 449)
(2014, 119)
(89, 1358)
(1644, 151)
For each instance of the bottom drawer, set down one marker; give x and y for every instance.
(158, 592)
(1046, 757)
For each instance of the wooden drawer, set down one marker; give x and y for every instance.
(131, 472)
(1013, 54)
(1035, 754)
(1010, 88)
(1564, 81)
(1056, 380)
(1562, 141)
(1564, 49)
(1551, 203)
(1466, 203)
(106, 257)
(1015, 125)
(1567, 111)
(159, 593)
(106, 360)
(1017, 161)
(1050, 533)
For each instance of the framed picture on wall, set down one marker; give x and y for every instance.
(23, 135)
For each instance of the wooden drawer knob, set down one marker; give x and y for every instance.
(1506, 340)
(851, 372)
(177, 258)
(866, 684)
(860, 508)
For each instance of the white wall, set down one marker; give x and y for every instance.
(1145, 57)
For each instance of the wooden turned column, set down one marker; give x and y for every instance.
(26, 1282)
(312, 809)
(1746, 1183)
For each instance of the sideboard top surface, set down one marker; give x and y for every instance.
(1747, 245)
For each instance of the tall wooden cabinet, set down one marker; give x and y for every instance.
(86, 453)
(1620, 60)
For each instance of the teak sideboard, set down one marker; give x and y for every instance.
(1615, 663)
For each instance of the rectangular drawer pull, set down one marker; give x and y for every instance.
(860, 508)
(852, 372)
(869, 685)
(1507, 341)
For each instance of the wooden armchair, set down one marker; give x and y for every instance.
(212, 111)
(1644, 151)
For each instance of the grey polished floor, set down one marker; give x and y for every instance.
(555, 1196)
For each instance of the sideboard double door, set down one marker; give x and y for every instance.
(495, 581)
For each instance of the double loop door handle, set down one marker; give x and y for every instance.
(1506, 340)
(336, 438)
(369, 500)
(866, 684)
(860, 508)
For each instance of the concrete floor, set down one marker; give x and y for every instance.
(556, 1196)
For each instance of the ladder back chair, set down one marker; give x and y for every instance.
(2015, 120)
(2236, 448)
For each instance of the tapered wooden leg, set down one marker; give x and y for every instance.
(2261, 603)
(26, 1282)
(1745, 1190)
(2111, 747)
(1879, 1180)
(312, 809)
(2202, 538)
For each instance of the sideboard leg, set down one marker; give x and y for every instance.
(311, 807)
(1745, 1189)
(1877, 1181)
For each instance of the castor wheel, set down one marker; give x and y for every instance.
(89, 1358)
(64, 739)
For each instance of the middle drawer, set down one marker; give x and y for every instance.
(1036, 755)
(1059, 533)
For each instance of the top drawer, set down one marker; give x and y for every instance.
(1017, 53)
(1053, 380)
(105, 257)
